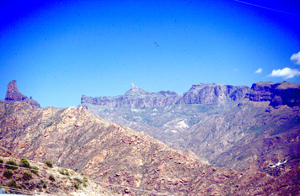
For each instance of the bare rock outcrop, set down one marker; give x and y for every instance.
(135, 97)
(282, 93)
(13, 94)
(213, 94)
(198, 94)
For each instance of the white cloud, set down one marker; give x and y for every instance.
(258, 71)
(296, 57)
(285, 73)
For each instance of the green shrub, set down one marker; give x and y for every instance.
(77, 180)
(11, 165)
(27, 176)
(7, 174)
(76, 186)
(51, 177)
(43, 183)
(63, 172)
(34, 170)
(49, 164)
(24, 163)
(12, 183)
(84, 184)
(1, 162)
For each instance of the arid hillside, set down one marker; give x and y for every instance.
(74, 138)
(129, 162)
(20, 176)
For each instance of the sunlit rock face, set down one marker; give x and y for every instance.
(282, 93)
(13, 94)
(198, 94)
(213, 94)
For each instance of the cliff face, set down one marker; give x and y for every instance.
(235, 134)
(283, 93)
(253, 132)
(13, 94)
(198, 94)
(104, 151)
(135, 97)
(213, 94)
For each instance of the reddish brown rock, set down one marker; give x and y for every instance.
(121, 156)
(12, 94)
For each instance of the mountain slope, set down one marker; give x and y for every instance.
(34, 178)
(257, 131)
(74, 138)
(128, 162)
(164, 115)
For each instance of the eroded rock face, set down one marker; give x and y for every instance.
(104, 151)
(283, 93)
(13, 94)
(213, 94)
(198, 94)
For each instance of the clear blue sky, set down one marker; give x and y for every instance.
(59, 50)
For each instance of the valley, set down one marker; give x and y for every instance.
(226, 146)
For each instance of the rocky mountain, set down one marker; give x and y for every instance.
(13, 94)
(135, 97)
(198, 94)
(213, 94)
(262, 130)
(259, 130)
(165, 114)
(123, 158)
(283, 93)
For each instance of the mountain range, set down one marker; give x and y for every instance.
(228, 140)
(215, 120)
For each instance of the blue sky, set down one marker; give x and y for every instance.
(59, 50)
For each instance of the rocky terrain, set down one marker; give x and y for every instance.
(256, 132)
(284, 93)
(13, 94)
(198, 94)
(260, 130)
(108, 153)
(213, 94)
(35, 178)
(164, 115)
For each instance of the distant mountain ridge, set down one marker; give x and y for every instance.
(213, 121)
(282, 93)
(106, 152)
(197, 94)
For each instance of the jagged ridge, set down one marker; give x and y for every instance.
(198, 94)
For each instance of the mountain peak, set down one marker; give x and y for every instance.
(13, 94)
(134, 90)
